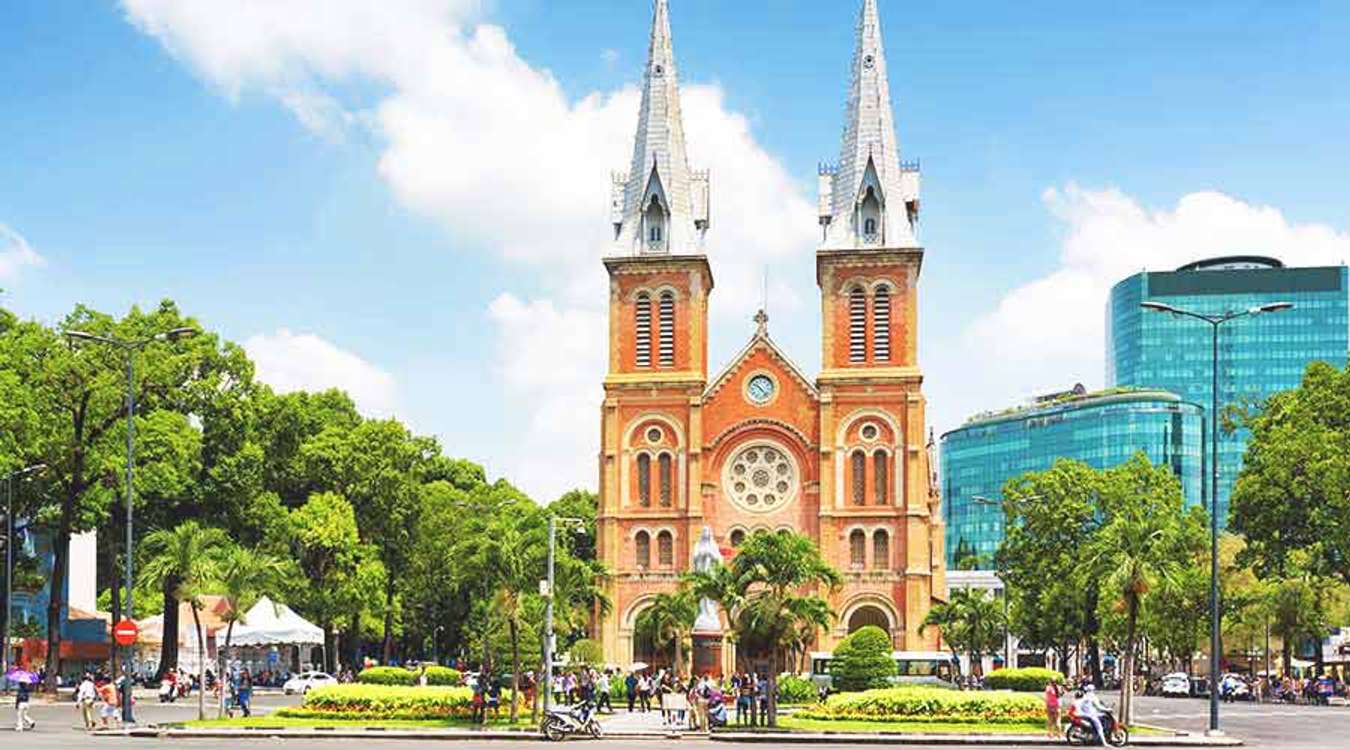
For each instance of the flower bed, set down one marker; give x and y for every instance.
(918, 704)
(384, 702)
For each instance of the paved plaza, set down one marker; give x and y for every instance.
(1261, 726)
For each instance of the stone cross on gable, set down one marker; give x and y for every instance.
(762, 323)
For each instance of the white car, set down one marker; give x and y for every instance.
(302, 682)
(1176, 684)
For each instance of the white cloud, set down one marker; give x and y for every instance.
(15, 254)
(491, 146)
(304, 362)
(1050, 332)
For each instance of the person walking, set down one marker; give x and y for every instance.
(108, 711)
(22, 721)
(1052, 709)
(762, 695)
(603, 689)
(645, 692)
(630, 684)
(86, 696)
(245, 693)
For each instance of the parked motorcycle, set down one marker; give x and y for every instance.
(562, 721)
(1081, 732)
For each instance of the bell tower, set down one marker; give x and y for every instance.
(651, 419)
(875, 469)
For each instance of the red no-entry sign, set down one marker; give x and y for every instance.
(125, 633)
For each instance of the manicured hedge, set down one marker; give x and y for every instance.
(383, 702)
(796, 690)
(1023, 678)
(444, 676)
(386, 676)
(915, 703)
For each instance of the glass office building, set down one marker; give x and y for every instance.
(1100, 429)
(1258, 356)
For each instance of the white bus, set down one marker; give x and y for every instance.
(912, 667)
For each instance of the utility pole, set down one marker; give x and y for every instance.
(9, 556)
(546, 588)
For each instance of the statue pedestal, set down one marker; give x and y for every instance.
(707, 654)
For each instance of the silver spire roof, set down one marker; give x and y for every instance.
(660, 169)
(869, 157)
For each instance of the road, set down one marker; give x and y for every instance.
(1263, 727)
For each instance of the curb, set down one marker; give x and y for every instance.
(985, 740)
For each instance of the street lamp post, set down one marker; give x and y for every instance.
(9, 554)
(1215, 321)
(1007, 626)
(129, 347)
(548, 604)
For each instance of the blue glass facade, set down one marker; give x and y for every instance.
(1258, 356)
(1101, 430)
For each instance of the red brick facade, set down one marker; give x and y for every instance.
(842, 459)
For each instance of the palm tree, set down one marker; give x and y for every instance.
(243, 577)
(670, 619)
(971, 620)
(761, 589)
(186, 555)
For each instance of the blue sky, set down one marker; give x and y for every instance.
(406, 198)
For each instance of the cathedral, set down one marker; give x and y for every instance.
(760, 446)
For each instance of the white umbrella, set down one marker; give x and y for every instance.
(638, 666)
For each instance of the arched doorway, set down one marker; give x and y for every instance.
(868, 615)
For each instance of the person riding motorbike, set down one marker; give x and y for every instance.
(1090, 708)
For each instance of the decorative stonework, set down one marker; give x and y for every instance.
(761, 476)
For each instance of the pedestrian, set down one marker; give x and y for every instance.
(86, 695)
(603, 689)
(480, 698)
(245, 692)
(22, 721)
(1052, 709)
(630, 685)
(762, 693)
(494, 699)
(745, 697)
(645, 692)
(108, 711)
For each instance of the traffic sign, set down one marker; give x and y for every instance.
(125, 633)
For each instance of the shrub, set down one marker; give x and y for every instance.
(387, 703)
(443, 676)
(915, 703)
(863, 661)
(387, 676)
(618, 686)
(798, 690)
(586, 652)
(1024, 678)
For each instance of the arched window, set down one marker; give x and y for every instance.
(737, 537)
(859, 469)
(667, 482)
(870, 227)
(857, 548)
(655, 219)
(881, 323)
(644, 462)
(642, 332)
(871, 216)
(665, 549)
(881, 477)
(857, 325)
(881, 550)
(642, 548)
(667, 329)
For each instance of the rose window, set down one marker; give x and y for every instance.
(760, 478)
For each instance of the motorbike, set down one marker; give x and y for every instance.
(1081, 732)
(562, 721)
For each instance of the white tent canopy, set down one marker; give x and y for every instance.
(270, 624)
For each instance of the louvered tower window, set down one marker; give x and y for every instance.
(859, 478)
(881, 323)
(881, 550)
(881, 477)
(643, 329)
(665, 549)
(857, 548)
(857, 325)
(644, 463)
(667, 482)
(667, 329)
(642, 548)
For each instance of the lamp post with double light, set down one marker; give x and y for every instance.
(1215, 322)
(546, 588)
(9, 554)
(130, 347)
(1007, 625)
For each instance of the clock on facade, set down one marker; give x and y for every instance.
(760, 389)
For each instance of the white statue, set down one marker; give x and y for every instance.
(707, 555)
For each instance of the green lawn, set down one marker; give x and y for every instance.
(281, 722)
(905, 727)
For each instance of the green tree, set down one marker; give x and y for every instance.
(187, 555)
(971, 621)
(244, 576)
(764, 590)
(669, 621)
(863, 660)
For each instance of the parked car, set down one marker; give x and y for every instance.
(302, 682)
(1176, 684)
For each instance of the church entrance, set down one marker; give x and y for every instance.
(868, 615)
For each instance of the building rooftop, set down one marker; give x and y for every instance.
(1077, 397)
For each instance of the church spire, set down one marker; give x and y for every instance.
(660, 207)
(870, 198)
